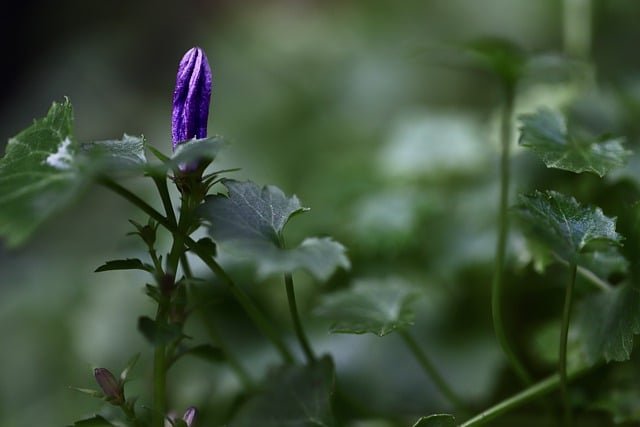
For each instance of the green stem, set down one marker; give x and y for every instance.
(243, 299)
(501, 245)
(295, 317)
(564, 338)
(159, 373)
(242, 374)
(431, 371)
(577, 28)
(531, 393)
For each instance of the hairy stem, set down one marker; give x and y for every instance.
(564, 338)
(295, 317)
(431, 371)
(501, 245)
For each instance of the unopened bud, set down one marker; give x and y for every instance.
(189, 416)
(110, 386)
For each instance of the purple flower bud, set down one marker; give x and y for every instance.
(191, 97)
(189, 416)
(110, 386)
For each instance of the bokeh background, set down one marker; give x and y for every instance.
(342, 102)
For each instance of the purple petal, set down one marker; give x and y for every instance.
(189, 416)
(109, 385)
(191, 97)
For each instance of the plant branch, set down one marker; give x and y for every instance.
(431, 370)
(295, 317)
(501, 244)
(564, 337)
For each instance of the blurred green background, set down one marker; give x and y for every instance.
(343, 103)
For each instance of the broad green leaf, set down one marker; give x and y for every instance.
(563, 226)
(438, 420)
(623, 405)
(546, 133)
(374, 306)
(292, 396)
(44, 169)
(114, 157)
(124, 264)
(318, 256)
(248, 225)
(95, 421)
(607, 323)
(38, 174)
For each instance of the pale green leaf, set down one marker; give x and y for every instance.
(546, 133)
(248, 224)
(607, 323)
(293, 396)
(370, 306)
(563, 226)
(114, 157)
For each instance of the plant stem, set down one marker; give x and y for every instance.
(531, 393)
(564, 338)
(159, 372)
(503, 233)
(577, 28)
(250, 308)
(295, 317)
(431, 370)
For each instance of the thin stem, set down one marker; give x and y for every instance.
(242, 374)
(577, 28)
(295, 317)
(250, 308)
(531, 393)
(501, 245)
(431, 371)
(564, 338)
(163, 190)
(159, 372)
(599, 283)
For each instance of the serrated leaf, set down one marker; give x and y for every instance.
(546, 133)
(158, 334)
(248, 225)
(44, 169)
(565, 227)
(438, 420)
(38, 175)
(95, 421)
(374, 306)
(607, 323)
(124, 264)
(115, 156)
(293, 396)
(318, 256)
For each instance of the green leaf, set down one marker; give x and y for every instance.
(319, 256)
(563, 226)
(438, 420)
(546, 133)
(293, 396)
(623, 405)
(158, 334)
(124, 264)
(500, 56)
(607, 323)
(124, 375)
(248, 225)
(114, 157)
(95, 421)
(197, 150)
(38, 175)
(205, 352)
(375, 306)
